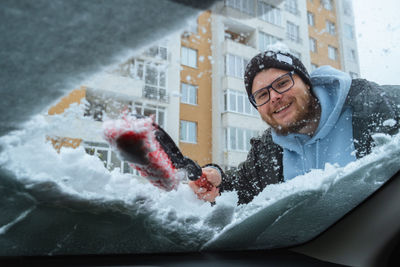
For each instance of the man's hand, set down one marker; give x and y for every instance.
(214, 177)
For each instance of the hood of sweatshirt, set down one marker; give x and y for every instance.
(303, 152)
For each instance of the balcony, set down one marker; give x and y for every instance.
(231, 47)
(159, 52)
(240, 34)
(292, 9)
(115, 83)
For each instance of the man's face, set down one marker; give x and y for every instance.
(290, 112)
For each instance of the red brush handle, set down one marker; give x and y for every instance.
(204, 183)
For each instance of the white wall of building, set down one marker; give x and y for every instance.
(173, 86)
(116, 84)
(218, 67)
(345, 17)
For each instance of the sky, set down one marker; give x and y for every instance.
(378, 39)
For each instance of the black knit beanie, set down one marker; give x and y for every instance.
(274, 59)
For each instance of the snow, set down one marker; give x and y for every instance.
(389, 122)
(278, 47)
(274, 216)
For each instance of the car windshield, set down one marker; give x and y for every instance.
(71, 67)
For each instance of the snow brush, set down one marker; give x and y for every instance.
(150, 150)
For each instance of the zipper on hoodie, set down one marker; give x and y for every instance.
(317, 153)
(303, 156)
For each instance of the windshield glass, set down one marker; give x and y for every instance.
(76, 74)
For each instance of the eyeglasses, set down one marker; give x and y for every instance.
(280, 85)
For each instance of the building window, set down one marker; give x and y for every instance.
(245, 6)
(237, 101)
(330, 27)
(151, 110)
(241, 37)
(192, 28)
(347, 8)
(314, 66)
(155, 83)
(235, 65)
(154, 77)
(188, 94)
(295, 53)
(349, 32)
(159, 51)
(238, 139)
(189, 57)
(109, 158)
(327, 4)
(292, 32)
(311, 19)
(269, 13)
(313, 45)
(188, 132)
(353, 55)
(96, 108)
(353, 75)
(148, 71)
(291, 6)
(266, 40)
(332, 52)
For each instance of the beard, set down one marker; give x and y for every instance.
(304, 119)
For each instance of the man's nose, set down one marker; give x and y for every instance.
(274, 96)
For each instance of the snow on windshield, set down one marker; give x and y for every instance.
(80, 185)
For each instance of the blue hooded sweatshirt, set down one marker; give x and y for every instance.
(333, 140)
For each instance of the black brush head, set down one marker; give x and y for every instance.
(132, 149)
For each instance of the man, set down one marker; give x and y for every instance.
(325, 118)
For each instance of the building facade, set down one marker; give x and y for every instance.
(347, 37)
(195, 96)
